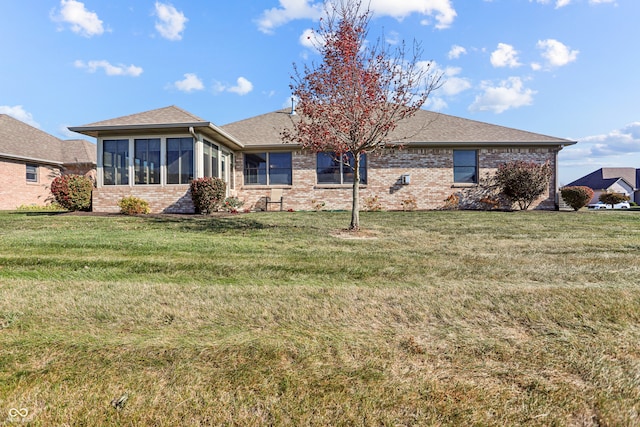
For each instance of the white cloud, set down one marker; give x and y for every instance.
(190, 83)
(452, 84)
(509, 94)
(505, 56)
(242, 87)
(81, 20)
(109, 69)
(290, 10)
(563, 3)
(556, 53)
(18, 112)
(616, 142)
(311, 40)
(442, 9)
(456, 51)
(171, 22)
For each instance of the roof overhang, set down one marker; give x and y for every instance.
(206, 128)
(449, 144)
(30, 159)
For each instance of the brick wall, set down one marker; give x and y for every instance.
(430, 170)
(169, 199)
(16, 191)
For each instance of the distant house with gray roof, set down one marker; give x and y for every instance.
(155, 154)
(616, 180)
(30, 159)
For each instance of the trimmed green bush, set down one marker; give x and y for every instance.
(207, 194)
(73, 192)
(132, 205)
(577, 196)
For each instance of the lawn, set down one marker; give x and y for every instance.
(424, 318)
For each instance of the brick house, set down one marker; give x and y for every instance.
(154, 155)
(30, 159)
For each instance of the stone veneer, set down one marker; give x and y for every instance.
(430, 170)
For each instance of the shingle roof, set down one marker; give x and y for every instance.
(166, 115)
(21, 141)
(163, 119)
(604, 178)
(425, 127)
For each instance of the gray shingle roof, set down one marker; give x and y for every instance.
(604, 178)
(166, 115)
(19, 140)
(424, 128)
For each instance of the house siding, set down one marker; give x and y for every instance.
(15, 191)
(430, 169)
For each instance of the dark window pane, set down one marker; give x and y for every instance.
(465, 166)
(32, 173)
(179, 160)
(255, 168)
(328, 169)
(280, 168)
(115, 165)
(147, 161)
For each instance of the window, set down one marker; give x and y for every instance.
(339, 170)
(267, 169)
(115, 160)
(210, 159)
(32, 173)
(179, 160)
(147, 161)
(465, 166)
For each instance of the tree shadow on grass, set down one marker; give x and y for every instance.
(218, 224)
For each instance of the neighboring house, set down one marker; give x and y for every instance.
(30, 159)
(155, 154)
(616, 180)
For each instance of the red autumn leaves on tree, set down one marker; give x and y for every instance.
(350, 102)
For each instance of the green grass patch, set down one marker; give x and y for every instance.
(423, 318)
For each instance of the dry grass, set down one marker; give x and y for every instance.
(434, 318)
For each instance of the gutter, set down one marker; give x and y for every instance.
(31, 159)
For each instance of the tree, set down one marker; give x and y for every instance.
(350, 102)
(577, 196)
(613, 198)
(523, 182)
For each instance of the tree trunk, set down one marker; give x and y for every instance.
(355, 203)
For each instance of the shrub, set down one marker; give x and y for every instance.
(53, 207)
(73, 192)
(372, 204)
(577, 197)
(523, 182)
(132, 205)
(613, 198)
(231, 204)
(317, 205)
(452, 202)
(207, 194)
(409, 204)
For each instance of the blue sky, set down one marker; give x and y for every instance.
(566, 68)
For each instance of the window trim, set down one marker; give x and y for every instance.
(36, 173)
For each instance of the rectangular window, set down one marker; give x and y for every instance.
(179, 160)
(32, 173)
(332, 169)
(267, 169)
(147, 161)
(465, 166)
(210, 159)
(115, 162)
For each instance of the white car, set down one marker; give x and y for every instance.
(600, 205)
